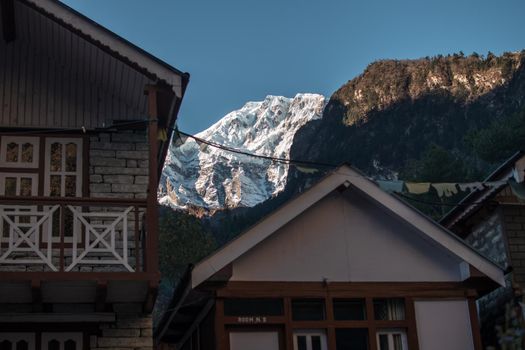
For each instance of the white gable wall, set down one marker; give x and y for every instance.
(346, 237)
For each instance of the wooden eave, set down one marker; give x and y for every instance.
(44, 7)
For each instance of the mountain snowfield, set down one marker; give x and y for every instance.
(206, 177)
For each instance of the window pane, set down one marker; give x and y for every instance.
(253, 307)
(27, 153)
(308, 310)
(301, 342)
(22, 345)
(56, 157)
(10, 186)
(398, 342)
(53, 345)
(55, 186)
(383, 342)
(351, 339)
(12, 152)
(71, 186)
(68, 223)
(5, 345)
(349, 309)
(70, 345)
(26, 186)
(316, 342)
(71, 157)
(389, 309)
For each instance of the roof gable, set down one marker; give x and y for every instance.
(106, 38)
(343, 176)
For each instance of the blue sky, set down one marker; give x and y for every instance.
(242, 50)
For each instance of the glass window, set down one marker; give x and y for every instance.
(308, 309)
(12, 153)
(349, 309)
(351, 339)
(389, 309)
(391, 339)
(27, 153)
(253, 307)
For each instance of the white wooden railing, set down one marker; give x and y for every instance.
(79, 235)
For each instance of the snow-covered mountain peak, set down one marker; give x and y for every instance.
(212, 178)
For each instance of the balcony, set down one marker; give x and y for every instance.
(68, 245)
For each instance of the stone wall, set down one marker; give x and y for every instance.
(488, 238)
(131, 331)
(514, 223)
(118, 165)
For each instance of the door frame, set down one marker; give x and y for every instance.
(255, 329)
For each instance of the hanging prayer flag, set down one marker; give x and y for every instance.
(391, 186)
(306, 170)
(418, 187)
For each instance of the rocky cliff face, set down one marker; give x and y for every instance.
(395, 110)
(379, 121)
(201, 176)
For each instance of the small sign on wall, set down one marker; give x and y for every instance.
(252, 319)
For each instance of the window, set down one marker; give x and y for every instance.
(253, 307)
(19, 152)
(17, 341)
(349, 309)
(61, 341)
(314, 339)
(391, 339)
(63, 167)
(389, 309)
(308, 309)
(351, 339)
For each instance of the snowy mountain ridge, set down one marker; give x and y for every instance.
(199, 175)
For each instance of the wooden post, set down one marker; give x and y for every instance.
(474, 322)
(152, 225)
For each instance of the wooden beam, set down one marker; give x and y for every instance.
(36, 293)
(153, 289)
(56, 317)
(152, 222)
(209, 305)
(7, 9)
(101, 296)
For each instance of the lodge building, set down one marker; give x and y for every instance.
(85, 120)
(344, 265)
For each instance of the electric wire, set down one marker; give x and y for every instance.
(197, 139)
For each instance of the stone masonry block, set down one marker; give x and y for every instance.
(99, 188)
(109, 162)
(146, 332)
(102, 153)
(141, 179)
(128, 137)
(133, 154)
(142, 147)
(95, 178)
(128, 188)
(134, 322)
(112, 146)
(118, 179)
(112, 195)
(121, 333)
(118, 170)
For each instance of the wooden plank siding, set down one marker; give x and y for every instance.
(50, 77)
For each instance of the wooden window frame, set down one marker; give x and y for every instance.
(20, 140)
(40, 169)
(83, 331)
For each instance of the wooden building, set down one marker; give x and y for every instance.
(492, 220)
(342, 266)
(85, 121)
